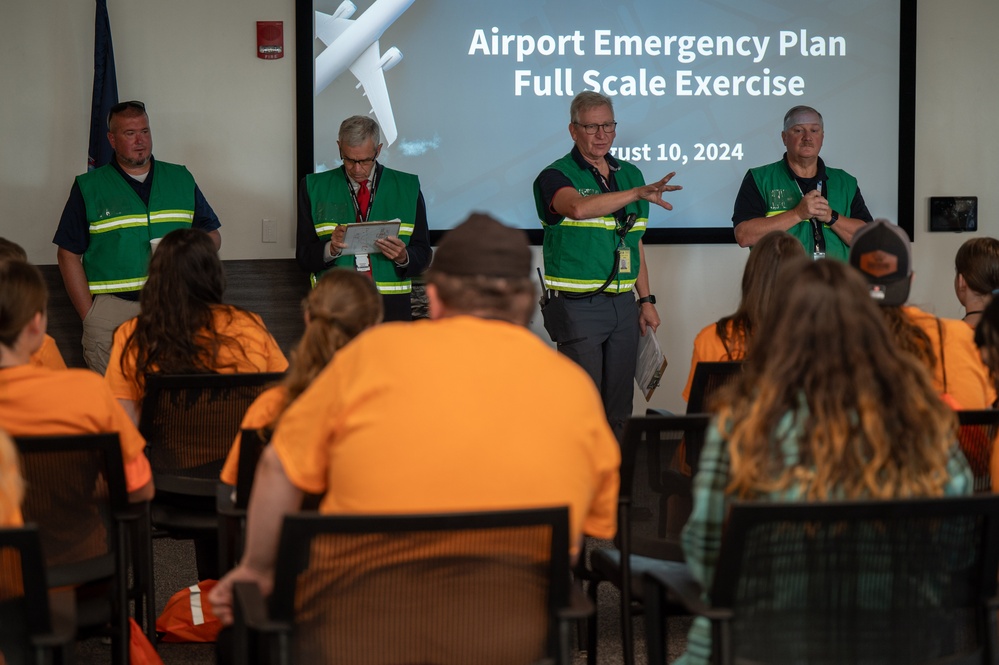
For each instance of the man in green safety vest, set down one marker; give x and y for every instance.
(594, 210)
(113, 218)
(363, 190)
(820, 206)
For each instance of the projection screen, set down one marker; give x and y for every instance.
(474, 97)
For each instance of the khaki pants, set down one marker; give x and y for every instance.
(107, 313)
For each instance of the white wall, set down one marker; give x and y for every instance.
(230, 117)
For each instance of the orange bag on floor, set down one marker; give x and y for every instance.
(140, 651)
(188, 616)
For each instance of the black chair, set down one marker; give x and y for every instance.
(484, 588)
(36, 625)
(907, 582)
(977, 436)
(189, 422)
(232, 502)
(708, 378)
(91, 537)
(646, 534)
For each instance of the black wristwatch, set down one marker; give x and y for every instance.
(832, 218)
(647, 299)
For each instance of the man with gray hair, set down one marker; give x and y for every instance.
(820, 206)
(479, 433)
(363, 190)
(594, 210)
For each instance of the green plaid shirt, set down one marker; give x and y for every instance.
(703, 533)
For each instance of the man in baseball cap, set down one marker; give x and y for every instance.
(882, 253)
(469, 411)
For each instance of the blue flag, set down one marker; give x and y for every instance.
(105, 90)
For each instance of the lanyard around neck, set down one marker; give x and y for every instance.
(353, 194)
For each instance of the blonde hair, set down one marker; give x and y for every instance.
(868, 422)
(343, 305)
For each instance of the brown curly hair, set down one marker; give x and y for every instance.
(873, 425)
(176, 331)
(758, 278)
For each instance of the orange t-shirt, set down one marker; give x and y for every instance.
(260, 414)
(967, 378)
(35, 401)
(451, 415)
(48, 355)
(11, 515)
(708, 348)
(259, 352)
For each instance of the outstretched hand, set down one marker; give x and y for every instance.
(653, 193)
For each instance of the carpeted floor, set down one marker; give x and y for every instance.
(175, 570)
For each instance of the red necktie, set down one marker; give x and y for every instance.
(363, 198)
(363, 201)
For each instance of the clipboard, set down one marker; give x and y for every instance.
(360, 237)
(650, 364)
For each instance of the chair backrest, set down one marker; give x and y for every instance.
(251, 445)
(708, 378)
(23, 582)
(74, 490)
(24, 599)
(456, 588)
(977, 436)
(903, 581)
(189, 422)
(648, 482)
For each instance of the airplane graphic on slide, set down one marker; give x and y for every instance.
(353, 44)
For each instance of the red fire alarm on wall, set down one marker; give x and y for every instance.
(270, 40)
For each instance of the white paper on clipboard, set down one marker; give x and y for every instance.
(360, 238)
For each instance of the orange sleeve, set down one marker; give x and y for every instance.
(12, 519)
(601, 521)
(261, 414)
(269, 356)
(230, 470)
(276, 361)
(303, 436)
(700, 354)
(123, 382)
(137, 470)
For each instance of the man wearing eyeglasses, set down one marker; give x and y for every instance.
(363, 190)
(594, 210)
(112, 214)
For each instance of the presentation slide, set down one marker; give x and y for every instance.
(474, 97)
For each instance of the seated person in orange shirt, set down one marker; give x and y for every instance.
(987, 340)
(39, 401)
(976, 277)
(827, 409)
(343, 304)
(47, 354)
(183, 327)
(729, 337)
(881, 251)
(507, 441)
